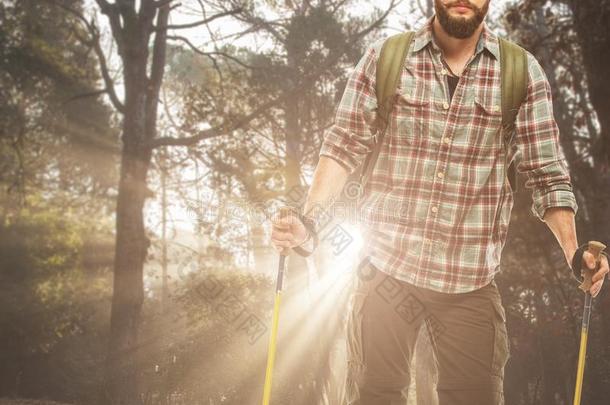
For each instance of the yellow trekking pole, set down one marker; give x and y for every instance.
(595, 248)
(310, 226)
(274, 328)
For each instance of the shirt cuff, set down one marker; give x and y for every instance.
(340, 156)
(560, 195)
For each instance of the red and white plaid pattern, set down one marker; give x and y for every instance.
(435, 212)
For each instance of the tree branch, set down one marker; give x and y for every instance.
(106, 75)
(225, 129)
(208, 54)
(157, 70)
(198, 23)
(111, 11)
(94, 41)
(378, 22)
(158, 59)
(93, 93)
(161, 3)
(257, 22)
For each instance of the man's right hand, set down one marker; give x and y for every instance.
(287, 230)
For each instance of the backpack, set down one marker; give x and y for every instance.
(514, 81)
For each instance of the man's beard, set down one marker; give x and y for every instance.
(460, 27)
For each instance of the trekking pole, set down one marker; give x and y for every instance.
(274, 328)
(595, 248)
(275, 320)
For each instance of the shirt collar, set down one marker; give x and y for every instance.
(487, 40)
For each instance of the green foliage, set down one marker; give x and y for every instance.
(313, 36)
(35, 242)
(209, 345)
(190, 68)
(51, 308)
(47, 125)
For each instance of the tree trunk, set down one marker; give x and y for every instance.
(121, 385)
(132, 32)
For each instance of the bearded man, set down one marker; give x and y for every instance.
(441, 206)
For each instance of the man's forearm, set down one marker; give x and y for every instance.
(561, 222)
(328, 181)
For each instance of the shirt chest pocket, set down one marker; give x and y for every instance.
(478, 122)
(412, 113)
(477, 139)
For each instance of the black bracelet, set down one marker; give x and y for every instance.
(310, 225)
(577, 261)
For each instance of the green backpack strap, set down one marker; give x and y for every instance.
(513, 88)
(390, 63)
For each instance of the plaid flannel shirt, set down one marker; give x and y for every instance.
(436, 209)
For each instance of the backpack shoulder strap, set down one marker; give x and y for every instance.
(513, 89)
(390, 63)
(513, 67)
(389, 66)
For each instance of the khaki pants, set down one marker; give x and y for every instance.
(467, 331)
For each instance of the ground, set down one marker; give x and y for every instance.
(6, 401)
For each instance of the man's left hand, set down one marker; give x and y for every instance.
(600, 274)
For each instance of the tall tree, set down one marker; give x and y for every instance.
(140, 36)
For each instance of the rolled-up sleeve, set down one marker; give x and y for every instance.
(537, 139)
(348, 140)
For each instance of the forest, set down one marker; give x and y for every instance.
(144, 146)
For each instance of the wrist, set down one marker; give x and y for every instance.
(569, 255)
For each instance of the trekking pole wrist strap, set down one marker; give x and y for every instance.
(577, 261)
(312, 233)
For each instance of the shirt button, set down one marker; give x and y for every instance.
(447, 140)
(444, 71)
(445, 105)
(440, 175)
(434, 209)
(496, 108)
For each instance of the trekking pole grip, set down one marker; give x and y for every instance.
(595, 248)
(284, 212)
